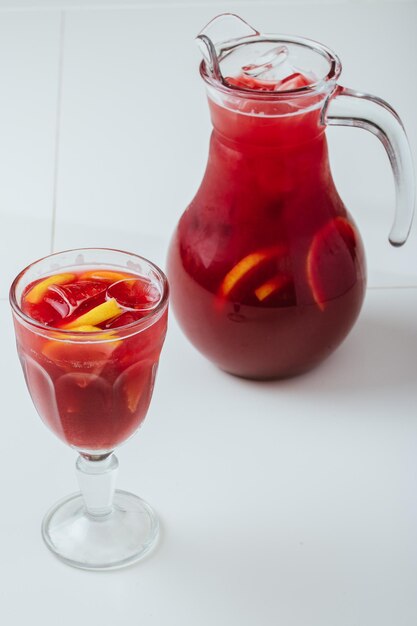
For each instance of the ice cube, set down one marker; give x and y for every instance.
(268, 65)
(128, 317)
(66, 299)
(272, 71)
(134, 294)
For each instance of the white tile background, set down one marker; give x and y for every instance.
(287, 503)
(29, 52)
(105, 127)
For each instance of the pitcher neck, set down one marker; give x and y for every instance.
(306, 162)
(245, 128)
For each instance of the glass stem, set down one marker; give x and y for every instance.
(97, 481)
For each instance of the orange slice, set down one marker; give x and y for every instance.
(244, 266)
(87, 328)
(134, 391)
(104, 275)
(88, 358)
(99, 314)
(272, 286)
(136, 384)
(35, 295)
(332, 265)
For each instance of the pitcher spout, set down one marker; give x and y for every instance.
(237, 56)
(218, 35)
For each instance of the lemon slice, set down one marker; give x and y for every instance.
(240, 269)
(87, 328)
(80, 357)
(104, 275)
(35, 295)
(99, 314)
(270, 286)
(246, 265)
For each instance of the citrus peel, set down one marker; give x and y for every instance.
(36, 294)
(101, 313)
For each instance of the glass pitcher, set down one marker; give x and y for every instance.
(267, 267)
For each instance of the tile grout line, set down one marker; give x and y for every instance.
(183, 4)
(57, 128)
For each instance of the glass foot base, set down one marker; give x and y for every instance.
(110, 541)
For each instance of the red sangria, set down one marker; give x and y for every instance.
(267, 268)
(90, 325)
(91, 384)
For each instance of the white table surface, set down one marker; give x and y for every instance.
(290, 503)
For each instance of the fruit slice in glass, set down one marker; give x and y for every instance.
(90, 362)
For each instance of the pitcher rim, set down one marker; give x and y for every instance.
(335, 68)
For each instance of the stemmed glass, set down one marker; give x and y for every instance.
(93, 389)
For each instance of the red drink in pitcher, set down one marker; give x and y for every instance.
(266, 251)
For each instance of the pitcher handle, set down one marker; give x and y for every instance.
(345, 107)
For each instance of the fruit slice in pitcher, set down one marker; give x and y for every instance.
(251, 268)
(331, 261)
(273, 288)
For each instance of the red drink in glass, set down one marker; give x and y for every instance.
(91, 358)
